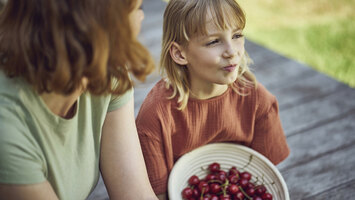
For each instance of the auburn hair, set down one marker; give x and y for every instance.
(53, 44)
(184, 19)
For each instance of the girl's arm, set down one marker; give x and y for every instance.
(40, 191)
(121, 160)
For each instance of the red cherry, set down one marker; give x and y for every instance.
(214, 167)
(222, 176)
(214, 197)
(225, 197)
(245, 175)
(243, 183)
(203, 187)
(257, 198)
(250, 191)
(251, 185)
(210, 177)
(196, 192)
(222, 172)
(239, 196)
(194, 180)
(233, 178)
(233, 171)
(233, 189)
(215, 188)
(266, 196)
(207, 196)
(260, 189)
(187, 193)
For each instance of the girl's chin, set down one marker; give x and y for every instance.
(226, 82)
(231, 79)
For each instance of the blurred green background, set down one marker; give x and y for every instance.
(319, 33)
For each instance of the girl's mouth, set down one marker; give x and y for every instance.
(229, 68)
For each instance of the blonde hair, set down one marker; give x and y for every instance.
(184, 19)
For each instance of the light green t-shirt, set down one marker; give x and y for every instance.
(36, 145)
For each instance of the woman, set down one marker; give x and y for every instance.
(66, 103)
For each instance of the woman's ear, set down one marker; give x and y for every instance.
(178, 54)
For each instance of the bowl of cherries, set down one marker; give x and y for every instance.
(225, 171)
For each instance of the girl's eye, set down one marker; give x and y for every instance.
(140, 7)
(237, 35)
(212, 42)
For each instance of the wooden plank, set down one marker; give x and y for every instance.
(281, 72)
(343, 191)
(100, 192)
(322, 140)
(317, 112)
(262, 56)
(321, 174)
(306, 90)
(252, 48)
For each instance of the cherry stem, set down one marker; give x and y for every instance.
(203, 190)
(250, 158)
(215, 181)
(245, 194)
(224, 187)
(263, 181)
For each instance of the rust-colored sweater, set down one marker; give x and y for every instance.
(166, 133)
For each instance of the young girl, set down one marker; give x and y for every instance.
(208, 93)
(66, 99)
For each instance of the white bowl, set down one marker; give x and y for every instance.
(227, 155)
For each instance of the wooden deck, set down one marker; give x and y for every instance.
(317, 113)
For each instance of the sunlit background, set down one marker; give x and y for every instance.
(319, 33)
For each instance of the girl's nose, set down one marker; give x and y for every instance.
(229, 51)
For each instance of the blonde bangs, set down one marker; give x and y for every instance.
(224, 15)
(227, 15)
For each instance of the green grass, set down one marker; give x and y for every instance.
(319, 33)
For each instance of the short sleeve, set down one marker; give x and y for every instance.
(269, 138)
(119, 101)
(20, 159)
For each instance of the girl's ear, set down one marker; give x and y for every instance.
(178, 54)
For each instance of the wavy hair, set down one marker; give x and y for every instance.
(184, 19)
(53, 44)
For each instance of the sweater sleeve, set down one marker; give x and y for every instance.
(269, 138)
(154, 147)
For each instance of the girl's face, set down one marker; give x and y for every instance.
(213, 59)
(136, 17)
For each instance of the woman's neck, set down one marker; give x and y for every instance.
(61, 105)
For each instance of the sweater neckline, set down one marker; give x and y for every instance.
(216, 98)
